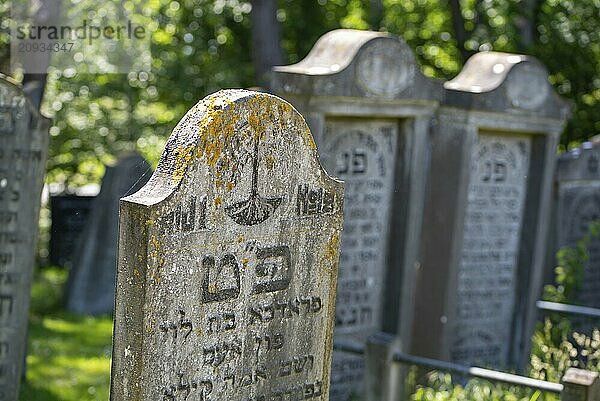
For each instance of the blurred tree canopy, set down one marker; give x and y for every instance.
(200, 46)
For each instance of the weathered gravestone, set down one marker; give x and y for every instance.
(370, 109)
(228, 261)
(577, 205)
(23, 150)
(69, 215)
(486, 220)
(91, 285)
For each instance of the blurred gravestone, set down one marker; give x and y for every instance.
(228, 261)
(486, 221)
(91, 284)
(370, 109)
(69, 215)
(578, 204)
(23, 150)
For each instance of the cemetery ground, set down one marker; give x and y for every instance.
(69, 355)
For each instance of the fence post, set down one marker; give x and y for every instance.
(384, 377)
(580, 385)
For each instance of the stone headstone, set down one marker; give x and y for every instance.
(370, 109)
(23, 150)
(91, 284)
(486, 220)
(577, 205)
(69, 215)
(228, 261)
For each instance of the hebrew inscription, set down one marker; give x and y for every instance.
(23, 147)
(362, 153)
(492, 231)
(238, 291)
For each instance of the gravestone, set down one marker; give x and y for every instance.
(69, 215)
(91, 284)
(23, 150)
(487, 212)
(370, 109)
(577, 205)
(228, 261)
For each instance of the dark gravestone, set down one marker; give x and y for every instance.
(370, 109)
(23, 150)
(486, 221)
(228, 261)
(578, 204)
(91, 285)
(69, 215)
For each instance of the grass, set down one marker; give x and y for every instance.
(69, 354)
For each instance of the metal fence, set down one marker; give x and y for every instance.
(382, 378)
(567, 309)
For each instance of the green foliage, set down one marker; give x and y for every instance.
(68, 355)
(441, 387)
(569, 272)
(555, 347)
(569, 46)
(426, 27)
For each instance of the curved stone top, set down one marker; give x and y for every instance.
(226, 135)
(486, 71)
(505, 82)
(353, 63)
(333, 52)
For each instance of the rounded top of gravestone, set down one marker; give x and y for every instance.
(505, 82)
(348, 62)
(232, 135)
(581, 163)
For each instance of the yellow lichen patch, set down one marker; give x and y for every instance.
(158, 257)
(260, 112)
(150, 222)
(331, 249)
(218, 183)
(245, 263)
(270, 160)
(183, 157)
(241, 239)
(218, 201)
(229, 186)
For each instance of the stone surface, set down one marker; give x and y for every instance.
(228, 261)
(69, 215)
(488, 206)
(492, 231)
(578, 204)
(580, 385)
(91, 284)
(370, 108)
(23, 150)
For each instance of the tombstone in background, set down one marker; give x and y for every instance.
(228, 261)
(69, 215)
(23, 151)
(370, 109)
(91, 283)
(577, 205)
(488, 206)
